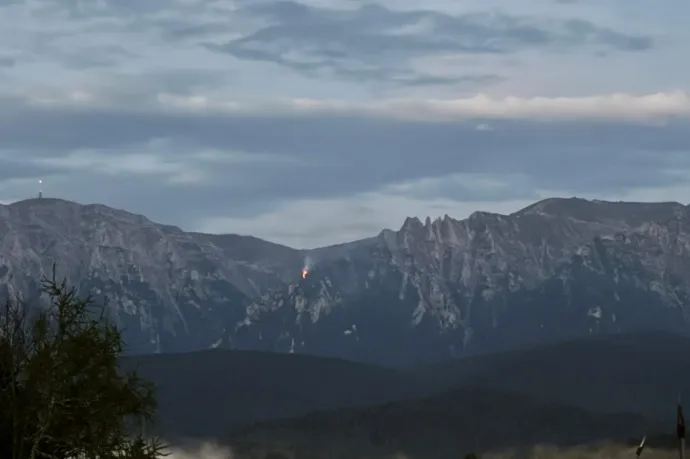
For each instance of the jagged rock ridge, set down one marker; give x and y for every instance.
(561, 268)
(558, 269)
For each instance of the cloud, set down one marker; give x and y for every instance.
(323, 121)
(312, 222)
(374, 42)
(89, 56)
(18, 168)
(604, 106)
(124, 164)
(216, 170)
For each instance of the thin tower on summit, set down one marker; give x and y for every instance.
(40, 191)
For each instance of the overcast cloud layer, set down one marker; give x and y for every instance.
(321, 121)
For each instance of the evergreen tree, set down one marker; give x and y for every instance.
(62, 394)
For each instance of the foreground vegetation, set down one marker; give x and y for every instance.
(61, 391)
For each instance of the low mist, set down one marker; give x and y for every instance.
(210, 450)
(205, 450)
(602, 451)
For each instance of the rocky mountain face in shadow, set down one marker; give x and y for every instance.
(168, 289)
(559, 269)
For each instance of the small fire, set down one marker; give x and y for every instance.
(305, 273)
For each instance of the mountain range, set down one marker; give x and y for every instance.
(558, 269)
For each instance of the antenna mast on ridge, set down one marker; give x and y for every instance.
(40, 191)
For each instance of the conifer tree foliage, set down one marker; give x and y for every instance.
(62, 394)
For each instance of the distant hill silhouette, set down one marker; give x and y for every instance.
(207, 393)
(642, 373)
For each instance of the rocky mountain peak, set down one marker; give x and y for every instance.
(559, 207)
(559, 268)
(170, 290)
(412, 224)
(629, 214)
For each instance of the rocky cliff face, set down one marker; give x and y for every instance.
(558, 269)
(170, 290)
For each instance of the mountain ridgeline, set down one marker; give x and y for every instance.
(559, 269)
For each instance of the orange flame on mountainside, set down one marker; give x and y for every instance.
(305, 273)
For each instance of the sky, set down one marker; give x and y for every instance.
(314, 122)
